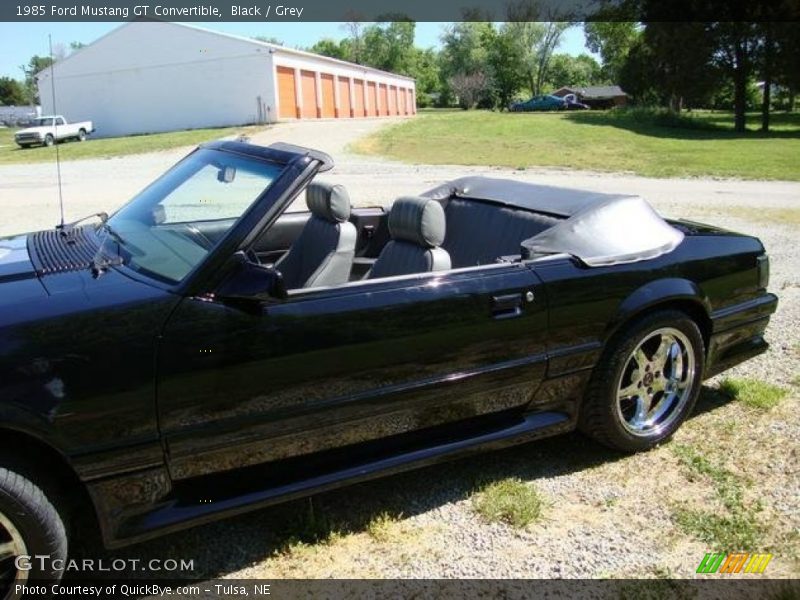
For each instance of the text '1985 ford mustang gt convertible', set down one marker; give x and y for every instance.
(205, 351)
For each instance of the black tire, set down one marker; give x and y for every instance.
(602, 417)
(82, 135)
(34, 520)
(49, 140)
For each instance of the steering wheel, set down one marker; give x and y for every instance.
(196, 236)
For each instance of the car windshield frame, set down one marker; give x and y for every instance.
(113, 251)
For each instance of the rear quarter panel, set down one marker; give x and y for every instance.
(712, 272)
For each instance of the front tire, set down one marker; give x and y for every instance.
(646, 382)
(30, 526)
(49, 140)
(82, 135)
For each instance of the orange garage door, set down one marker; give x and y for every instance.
(344, 98)
(309, 85)
(392, 100)
(328, 100)
(401, 96)
(358, 100)
(411, 107)
(384, 100)
(372, 99)
(286, 94)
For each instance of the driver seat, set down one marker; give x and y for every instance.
(322, 255)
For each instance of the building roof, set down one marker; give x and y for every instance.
(275, 48)
(601, 91)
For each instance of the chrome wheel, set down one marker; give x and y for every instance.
(11, 546)
(656, 382)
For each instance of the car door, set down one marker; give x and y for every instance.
(250, 383)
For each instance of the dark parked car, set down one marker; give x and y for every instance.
(539, 103)
(204, 351)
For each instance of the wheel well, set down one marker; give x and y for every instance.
(691, 308)
(61, 478)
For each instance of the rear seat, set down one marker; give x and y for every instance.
(480, 232)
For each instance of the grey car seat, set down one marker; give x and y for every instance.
(417, 229)
(322, 255)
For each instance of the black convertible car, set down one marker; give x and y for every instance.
(208, 350)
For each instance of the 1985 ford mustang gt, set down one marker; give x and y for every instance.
(205, 351)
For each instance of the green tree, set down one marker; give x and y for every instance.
(682, 66)
(503, 57)
(613, 41)
(329, 47)
(463, 49)
(787, 59)
(425, 70)
(735, 44)
(12, 92)
(537, 42)
(35, 65)
(389, 46)
(463, 55)
(578, 71)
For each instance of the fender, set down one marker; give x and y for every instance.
(654, 293)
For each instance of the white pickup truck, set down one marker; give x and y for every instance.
(51, 129)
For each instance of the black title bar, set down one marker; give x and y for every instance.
(291, 11)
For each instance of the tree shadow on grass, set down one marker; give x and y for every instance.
(233, 544)
(684, 127)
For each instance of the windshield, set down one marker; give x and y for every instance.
(172, 225)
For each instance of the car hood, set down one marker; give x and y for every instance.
(33, 130)
(44, 275)
(15, 260)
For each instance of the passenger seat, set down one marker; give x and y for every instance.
(322, 255)
(417, 229)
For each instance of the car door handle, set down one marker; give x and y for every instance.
(507, 306)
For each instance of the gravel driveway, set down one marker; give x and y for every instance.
(607, 516)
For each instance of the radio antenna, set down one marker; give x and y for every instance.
(55, 129)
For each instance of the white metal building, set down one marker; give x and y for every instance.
(151, 76)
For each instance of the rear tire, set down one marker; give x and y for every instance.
(30, 525)
(49, 140)
(646, 382)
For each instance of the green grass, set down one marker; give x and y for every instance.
(509, 501)
(638, 141)
(382, 526)
(735, 528)
(111, 147)
(753, 393)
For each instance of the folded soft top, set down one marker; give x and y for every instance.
(599, 229)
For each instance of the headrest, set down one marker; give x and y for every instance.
(418, 220)
(328, 201)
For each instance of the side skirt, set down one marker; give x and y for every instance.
(175, 510)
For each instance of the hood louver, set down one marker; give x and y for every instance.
(55, 252)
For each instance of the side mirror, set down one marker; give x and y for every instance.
(250, 281)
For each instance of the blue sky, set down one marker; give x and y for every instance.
(20, 41)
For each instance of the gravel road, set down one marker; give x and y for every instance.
(607, 515)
